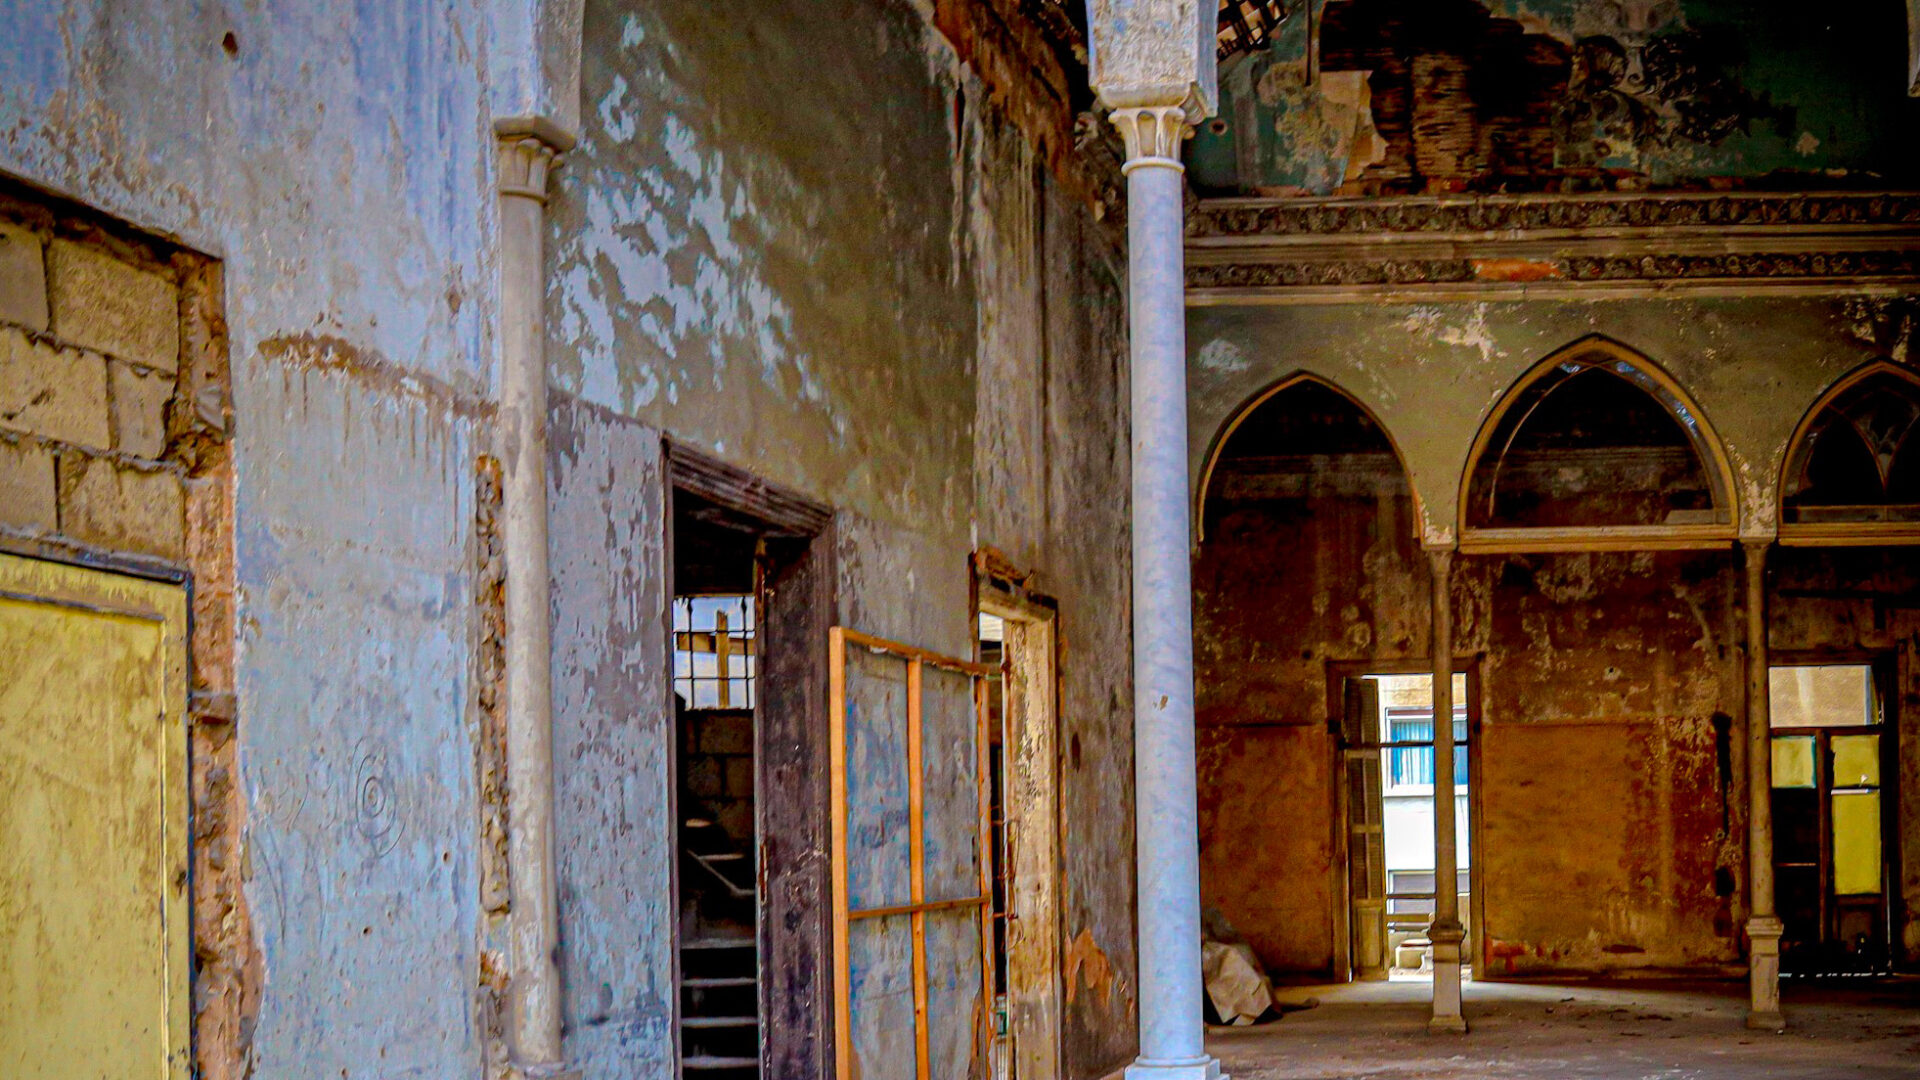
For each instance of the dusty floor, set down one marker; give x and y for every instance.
(1576, 1031)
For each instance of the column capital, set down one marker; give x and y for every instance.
(528, 147)
(1153, 134)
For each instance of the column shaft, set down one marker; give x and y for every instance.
(1446, 932)
(1172, 1033)
(534, 1001)
(1763, 925)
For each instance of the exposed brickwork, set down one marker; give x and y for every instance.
(53, 392)
(108, 505)
(23, 278)
(26, 486)
(139, 410)
(115, 413)
(107, 304)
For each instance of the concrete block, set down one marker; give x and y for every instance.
(113, 307)
(27, 497)
(56, 393)
(704, 779)
(740, 777)
(120, 508)
(23, 278)
(139, 410)
(726, 733)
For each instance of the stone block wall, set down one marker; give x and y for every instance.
(90, 374)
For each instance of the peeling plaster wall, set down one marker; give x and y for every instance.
(1432, 373)
(1601, 675)
(834, 265)
(337, 160)
(841, 268)
(1406, 96)
(612, 741)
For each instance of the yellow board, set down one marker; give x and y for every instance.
(94, 935)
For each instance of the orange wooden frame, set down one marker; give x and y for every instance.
(839, 640)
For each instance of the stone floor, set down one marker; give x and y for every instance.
(1583, 1031)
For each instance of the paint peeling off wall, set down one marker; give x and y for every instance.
(613, 736)
(1752, 366)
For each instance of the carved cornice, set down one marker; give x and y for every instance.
(1548, 247)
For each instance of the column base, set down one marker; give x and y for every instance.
(1447, 1018)
(553, 1071)
(1204, 1068)
(1763, 974)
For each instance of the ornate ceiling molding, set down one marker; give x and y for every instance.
(1530, 247)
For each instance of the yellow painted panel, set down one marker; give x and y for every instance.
(1856, 843)
(93, 814)
(1793, 761)
(1856, 761)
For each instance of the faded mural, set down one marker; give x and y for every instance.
(1375, 97)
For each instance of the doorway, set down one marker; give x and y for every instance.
(1386, 749)
(751, 598)
(1832, 750)
(1015, 633)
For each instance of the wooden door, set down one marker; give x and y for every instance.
(1366, 830)
(93, 825)
(911, 905)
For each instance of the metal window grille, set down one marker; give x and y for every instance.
(714, 658)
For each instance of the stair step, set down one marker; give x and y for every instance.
(720, 943)
(719, 1021)
(722, 856)
(713, 984)
(708, 1061)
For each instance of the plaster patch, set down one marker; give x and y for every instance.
(1224, 357)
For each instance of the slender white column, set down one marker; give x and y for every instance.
(533, 989)
(1172, 1031)
(1763, 924)
(1446, 931)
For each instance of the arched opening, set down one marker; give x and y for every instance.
(1311, 609)
(1597, 437)
(1856, 457)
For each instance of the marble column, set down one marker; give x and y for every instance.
(1446, 932)
(1172, 1032)
(527, 149)
(1763, 925)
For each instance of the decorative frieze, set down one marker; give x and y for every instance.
(1529, 247)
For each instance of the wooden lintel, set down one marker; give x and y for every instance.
(1543, 541)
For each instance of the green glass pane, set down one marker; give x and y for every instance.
(1856, 761)
(1793, 761)
(1856, 843)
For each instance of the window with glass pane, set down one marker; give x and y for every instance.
(1821, 695)
(713, 651)
(1412, 766)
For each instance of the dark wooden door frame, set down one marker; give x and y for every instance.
(1888, 677)
(791, 799)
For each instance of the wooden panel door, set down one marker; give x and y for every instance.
(93, 817)
(912, 917)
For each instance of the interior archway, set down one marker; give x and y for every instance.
(1596, 437)
(1855, 458)
(1310, 575)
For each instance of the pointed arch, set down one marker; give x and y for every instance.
(1689, 499)
(1221, 440)
(1851, 473)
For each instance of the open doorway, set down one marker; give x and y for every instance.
(715, 615)
(751, 601)
(1833, 761)
(1387, 750)
(1015, 633)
